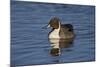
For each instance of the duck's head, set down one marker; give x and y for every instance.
(54, 23)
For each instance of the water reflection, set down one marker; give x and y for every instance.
(58, 44)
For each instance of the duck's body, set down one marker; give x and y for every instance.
(65, 31)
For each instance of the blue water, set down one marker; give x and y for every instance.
(29, 42)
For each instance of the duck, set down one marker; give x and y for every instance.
(60, 36)
(60, 31)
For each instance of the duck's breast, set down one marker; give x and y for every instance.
(54, 34)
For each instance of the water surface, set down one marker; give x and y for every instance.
(29, 42)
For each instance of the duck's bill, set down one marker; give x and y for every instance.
(48, 26)
(45, 27)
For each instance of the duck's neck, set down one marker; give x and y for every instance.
(59, 25)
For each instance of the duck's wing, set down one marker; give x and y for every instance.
(67, 26)
(66, 31)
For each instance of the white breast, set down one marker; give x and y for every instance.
(54, 34)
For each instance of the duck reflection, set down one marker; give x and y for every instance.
(58, 44)
(61, 36)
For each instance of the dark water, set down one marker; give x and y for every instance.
(29, 42)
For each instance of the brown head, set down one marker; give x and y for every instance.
(54, 23)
